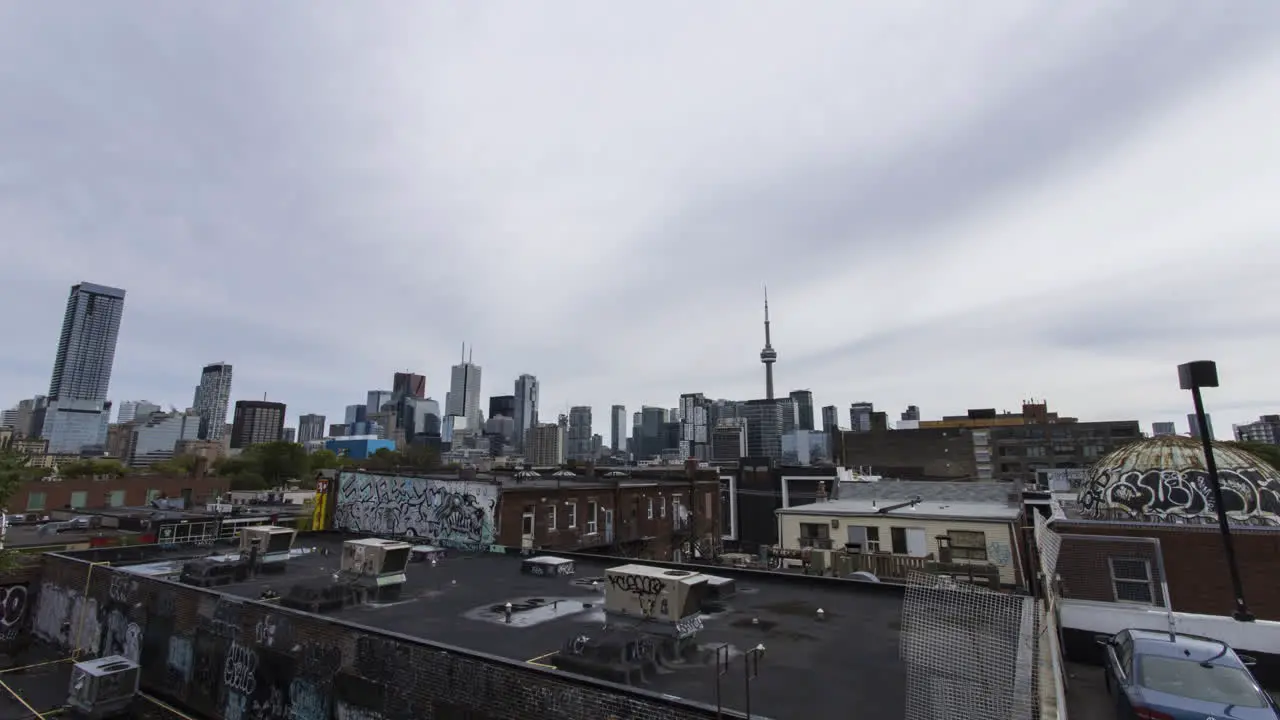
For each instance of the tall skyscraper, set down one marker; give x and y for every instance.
(1163, 428)
(77, 413)
(911, 413)
(463, 399)
(618, 426)
(579, 433)
(695, 431)
(411, 384)
(803, 400)
(502, 405)
(257, 421)
(768, 355)
(213, 394)
(1195, 426)
(131, 410)
(375, 400)
(860, 416)
(830, 419)
(310, 427)
(526, 406)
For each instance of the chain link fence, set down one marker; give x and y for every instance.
(970, 652)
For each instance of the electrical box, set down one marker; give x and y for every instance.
(374, 557)
(273, 543)
(663, 596)
(103, 687)
(547, 566)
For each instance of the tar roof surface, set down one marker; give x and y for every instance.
(811, 669)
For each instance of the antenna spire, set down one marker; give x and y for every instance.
(768, 355)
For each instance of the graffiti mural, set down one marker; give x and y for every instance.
(13, 611)
(1249, 496)
(447, 512)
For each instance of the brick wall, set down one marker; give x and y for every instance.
(655, 537)
(1199, 581)
(921, 454)
(58, 494)
(235, 658)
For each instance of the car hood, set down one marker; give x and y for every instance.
(1185, 708)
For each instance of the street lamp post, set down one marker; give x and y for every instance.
(1193, 376)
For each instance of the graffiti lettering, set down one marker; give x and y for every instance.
(535, 569)
(13, 610)
(637, 584)
(354, 712)
(307, 702)
(179, 660)
(689, 626)
(453, 513)
(239, 672)
(270, 631)
(272, 706)
(237, 704)
(122, 588)
(1118, 493)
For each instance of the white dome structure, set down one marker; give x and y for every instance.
(1163, 479)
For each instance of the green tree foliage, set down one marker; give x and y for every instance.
(177, 465)
(92, 468)
(279, 462)
(414, 459)
(325, 460)
(249, 481)
(1269, 454)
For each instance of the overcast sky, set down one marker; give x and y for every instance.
(954, 205)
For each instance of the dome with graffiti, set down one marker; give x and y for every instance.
(1163, 479)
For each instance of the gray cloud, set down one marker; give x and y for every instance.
(324, 194)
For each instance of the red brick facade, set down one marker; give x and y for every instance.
(44, 495)
(1194, 562)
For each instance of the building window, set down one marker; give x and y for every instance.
(815, 535)
(116, 498)
(1036, 451)
(79, 499)
(573, 514)
(873, 539)
(152, 494)
(551, 517)
(967, 544)
(650, 508)
(676, 502)
(662, 507)
(706, 503)
(35, 501)
(592, 510)
(526, 521)
(1131, 580)
(898, 540)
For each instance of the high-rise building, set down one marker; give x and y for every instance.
(356, 414)
(131, 410)
(376, 400)
(618, 426)
(1265, 430)
(213, 394)
(463, 399)
(30, 418)
(911, 413)
(695, 432)
(310, 427)
(1163, 428)
(579, 434)
(729, 441)
(152, 438)
(77, 414)
(790, 414)
(526, 406)
(768, 355)
(803, 400)
(544, 445)
(411, 384)
(764, 427)
(502, 405)
(257, 421)
(830, 419)
(9, 418)
(860, 416)
(1195, 426)
(289, 435)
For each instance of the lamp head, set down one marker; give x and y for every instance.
(1198, 374)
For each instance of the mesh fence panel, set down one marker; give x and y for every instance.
(1105, 568)
(970, 653)
(1049, 545)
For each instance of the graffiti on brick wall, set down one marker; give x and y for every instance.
(448, 512)
(65, 617)
(121, 636)
(13, 611)
(1173, 496)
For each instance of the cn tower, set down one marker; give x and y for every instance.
(768, 355)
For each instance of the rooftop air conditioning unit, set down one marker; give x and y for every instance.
(273, 543)
(103, 687)
(376, 565)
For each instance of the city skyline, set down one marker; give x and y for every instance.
(1001, 235)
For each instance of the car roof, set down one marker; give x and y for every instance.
(1190, 647)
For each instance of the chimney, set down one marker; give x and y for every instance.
(822, 491)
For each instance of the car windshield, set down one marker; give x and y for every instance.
(1188, 678)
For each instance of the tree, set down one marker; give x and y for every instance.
(325, 460)
(90, 467)
(249, 481)
(279, 461)
(1270, 454)
(177, 465)
(15, 469)
(418, 457)
(232, 466)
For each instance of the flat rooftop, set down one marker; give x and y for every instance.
(815, 669)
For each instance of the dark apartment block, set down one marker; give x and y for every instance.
(504, 405)
(257, 421)
(923, 454)
(1018, 451)
(757, 495)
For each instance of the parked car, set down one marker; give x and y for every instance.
(1166, 676)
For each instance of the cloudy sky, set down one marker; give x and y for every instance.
(954, 205)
